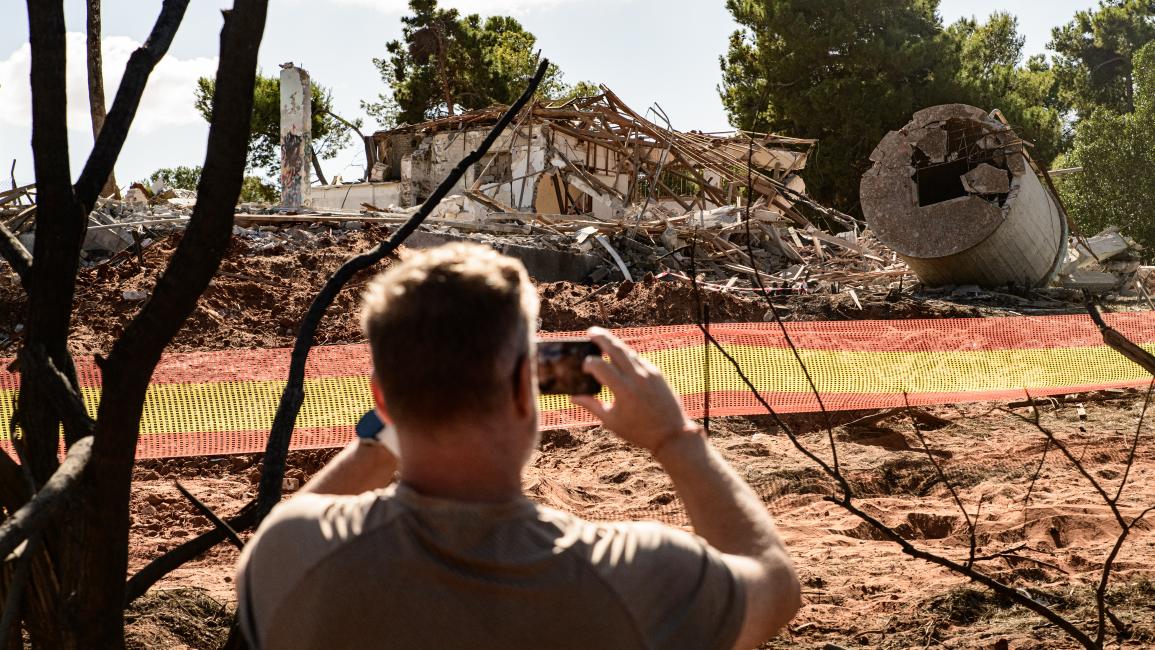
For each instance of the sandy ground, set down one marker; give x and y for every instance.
(858, 591)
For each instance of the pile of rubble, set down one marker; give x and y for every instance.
(113, 225)
(591, 191)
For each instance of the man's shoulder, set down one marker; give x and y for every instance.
(306, 507)
(677, 588)
(301, 532)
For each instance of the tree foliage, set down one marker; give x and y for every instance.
(253, 189)
(843, 71)
(329, 135)
(1117, 153)
(1094, 54)
(446, 63)
(848, 71)
(991, 75)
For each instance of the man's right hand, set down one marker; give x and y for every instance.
(645, 411)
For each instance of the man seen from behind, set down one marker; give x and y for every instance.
(452, 554)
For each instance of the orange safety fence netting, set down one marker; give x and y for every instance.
(212, 403)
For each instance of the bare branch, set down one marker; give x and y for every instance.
(1116, 341)
(212, 516)
(993, 584)
(16, 255)
(13, 602)
(96, 585)
(1124, 525)
(777, 316)
(1135, 442)
(39, 509)
(152, 572)
(294, 393)
(971, 524)
(115, 128)
(1105, 576)
(37, 367)
(1038, 472)
(59, 232)
(344, 121)
(1075, 462)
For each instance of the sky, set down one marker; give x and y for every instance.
(647, 51)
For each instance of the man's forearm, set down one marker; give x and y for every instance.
(360, 467)
(722, 507)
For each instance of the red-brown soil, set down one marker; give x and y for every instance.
(859, 591)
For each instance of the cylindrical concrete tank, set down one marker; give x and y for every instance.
(954, 195)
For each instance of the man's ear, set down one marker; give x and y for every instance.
(524, 393)
(379, 400)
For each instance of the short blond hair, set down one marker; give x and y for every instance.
(446, 328)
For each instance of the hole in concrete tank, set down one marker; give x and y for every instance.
(942, 182)
(966, 149)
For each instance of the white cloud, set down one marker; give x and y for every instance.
(167, 99)
(483, 7)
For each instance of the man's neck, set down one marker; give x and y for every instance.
(472, 492)
(463, 465)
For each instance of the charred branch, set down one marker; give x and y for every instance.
(94, 573)
(114, 129)
(17, 585)
(60, 220)
(16, 255)
(39, 510)
(293, 396)
(212, 516)
(144, 579)
(37, 368)
(1117, 341)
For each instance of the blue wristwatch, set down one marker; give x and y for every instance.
(372, 429)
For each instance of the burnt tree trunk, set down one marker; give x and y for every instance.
(88, 544)
(60, 225)
(96, 85)
(94, 575)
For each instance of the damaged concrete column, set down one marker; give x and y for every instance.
(296, 135)
(955, 195)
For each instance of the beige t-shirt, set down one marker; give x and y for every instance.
(396, 569)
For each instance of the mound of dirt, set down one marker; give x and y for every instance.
(261, 293)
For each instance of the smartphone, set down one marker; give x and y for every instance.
(559, 366)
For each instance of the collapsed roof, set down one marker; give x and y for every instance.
(591, 155)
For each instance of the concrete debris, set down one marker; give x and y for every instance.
(296, 134)
(1107, 262)
(136, 196)
(114, 226)
(986, 179)
(596, 178)
(1096, 281)
(975, 214)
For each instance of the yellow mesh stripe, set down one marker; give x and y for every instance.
(776, 370)
(340, 401)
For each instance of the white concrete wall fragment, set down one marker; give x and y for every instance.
(296, 135)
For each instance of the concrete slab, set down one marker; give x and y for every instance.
(542, 264)
(987, 179)
(1091, 280)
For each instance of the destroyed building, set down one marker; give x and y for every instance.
(591, 155)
